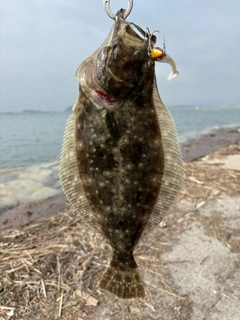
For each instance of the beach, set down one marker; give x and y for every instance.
(51, 261)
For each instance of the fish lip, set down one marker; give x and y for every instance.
(102, 100)
(105, 97)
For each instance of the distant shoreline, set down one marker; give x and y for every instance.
(69, 109)
(198, 108)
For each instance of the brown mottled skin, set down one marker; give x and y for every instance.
(119, 149)
(121, 166)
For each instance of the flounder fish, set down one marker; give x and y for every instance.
(121, 166)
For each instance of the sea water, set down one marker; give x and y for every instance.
(31, 139)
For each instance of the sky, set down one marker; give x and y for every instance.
(42, 42)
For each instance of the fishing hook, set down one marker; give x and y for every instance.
(149, 35)
(106, 4)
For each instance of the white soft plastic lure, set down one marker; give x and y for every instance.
(160, 55)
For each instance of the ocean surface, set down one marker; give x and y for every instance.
(31, 139)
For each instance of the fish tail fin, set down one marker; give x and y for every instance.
(125, 284)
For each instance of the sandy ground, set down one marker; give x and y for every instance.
(190, 264)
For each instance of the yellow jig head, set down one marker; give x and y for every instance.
(157, 54)
(160, 55)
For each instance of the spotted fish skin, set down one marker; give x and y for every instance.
(115, 167)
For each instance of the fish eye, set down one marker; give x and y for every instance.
(120, 223)
(139, 195)
(151, 64)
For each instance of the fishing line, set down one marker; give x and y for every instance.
(162, 24)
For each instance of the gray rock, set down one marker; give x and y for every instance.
(26, 190)
(205, 270)
(225, 207)
(39, 175)
(8, 203)
(9, 175)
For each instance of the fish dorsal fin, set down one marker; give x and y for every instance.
(69, 176)
(174, 172)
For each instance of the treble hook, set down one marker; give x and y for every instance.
(106, 4)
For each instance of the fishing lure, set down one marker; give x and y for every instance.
(121, 166)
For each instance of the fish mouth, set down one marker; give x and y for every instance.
(103, 101)
(100, 99)
(105, 97)
(91, 88)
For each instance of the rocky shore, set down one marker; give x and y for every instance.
(34, 183)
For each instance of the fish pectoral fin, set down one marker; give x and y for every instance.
(124, 284)
(69, 176)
